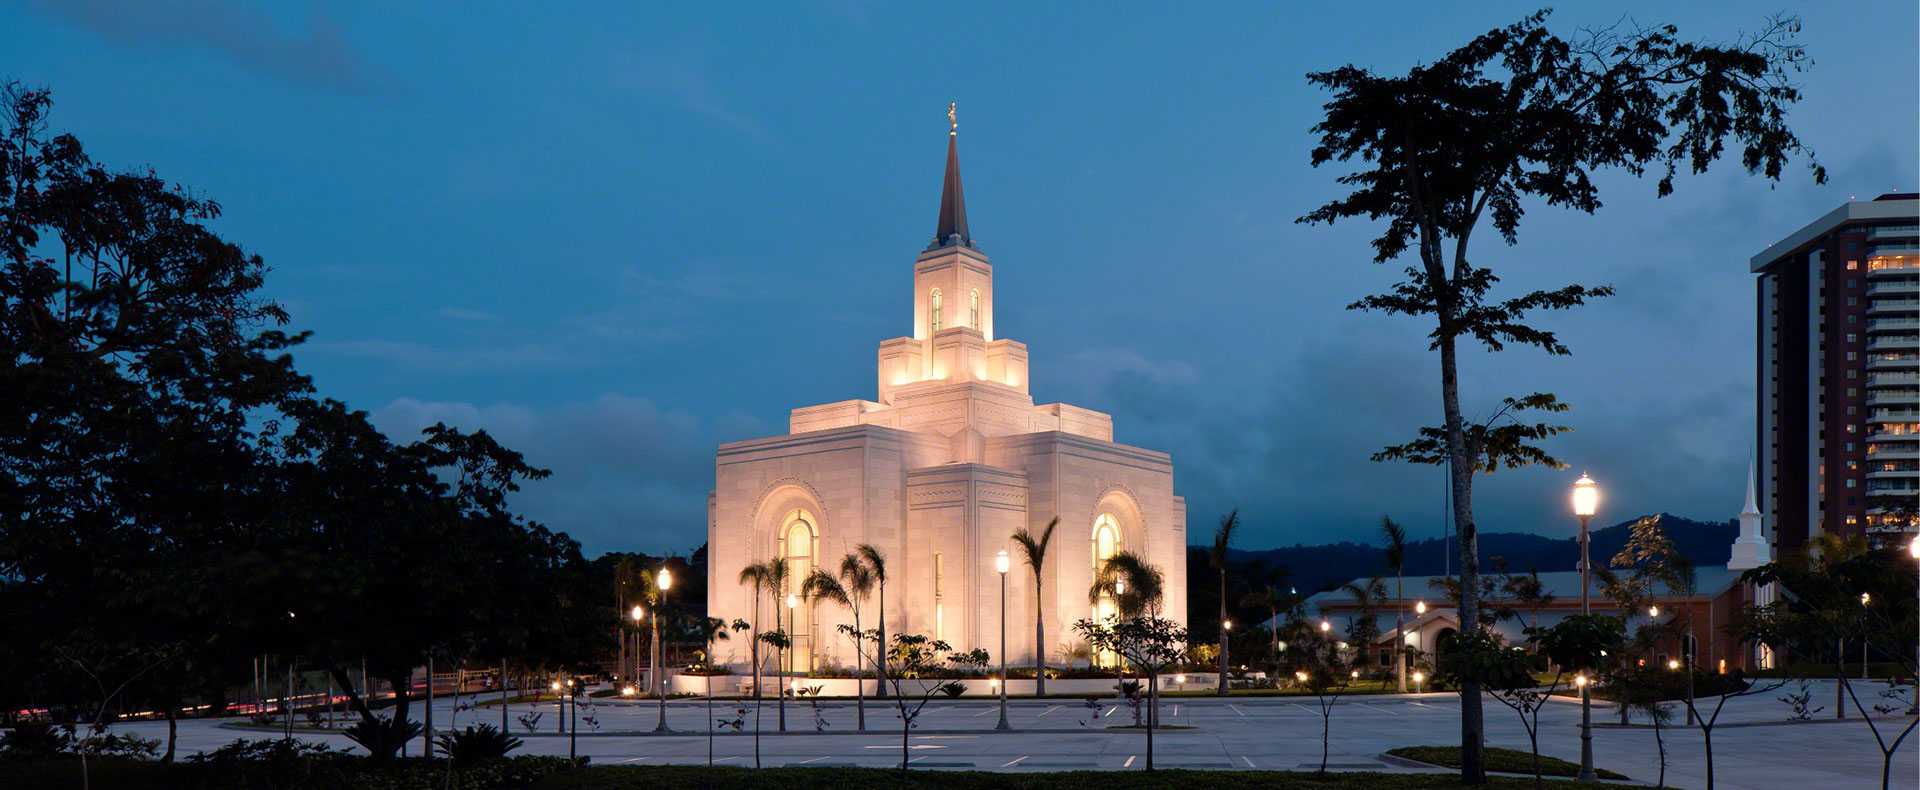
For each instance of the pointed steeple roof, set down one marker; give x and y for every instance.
(952, 229)
(1753, 505)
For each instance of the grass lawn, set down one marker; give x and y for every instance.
(632, 777)
(1508, 760)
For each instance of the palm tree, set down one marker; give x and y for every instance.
(1271, 599)
(877, 566)
(1367, 595)
(1144, 587)
(1529, 591)
(779, 578)
(1137, 589)
(854, 584)
(1035, 550)
(756, 575)
(1396, 539)
(1218, 558)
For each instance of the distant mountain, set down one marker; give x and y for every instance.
(1329, 565)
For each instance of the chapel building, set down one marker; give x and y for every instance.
(949, 459)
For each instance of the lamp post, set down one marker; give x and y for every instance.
(1226, 643)
(1586, 499)
(1914, 550)
(793, 602)
(665, 582)
(1865, 600)
(1002, 564)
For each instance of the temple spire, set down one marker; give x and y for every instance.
(952, 229)
(1753, 504)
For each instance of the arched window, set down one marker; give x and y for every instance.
(1106, 543)
(973, 318)
(933, 307)
(797, 541)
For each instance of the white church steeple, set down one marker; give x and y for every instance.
(1750, 549)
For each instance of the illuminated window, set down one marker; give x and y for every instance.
(939, 606)
(1106, 543)
(934, 307)
(974, 316)
(797, 539)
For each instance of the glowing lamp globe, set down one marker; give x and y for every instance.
(1586, 496)
(665, 580)
(1002, 563)
(792, 600)
(638, 613)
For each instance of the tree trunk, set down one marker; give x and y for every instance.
(1472, 724)
(1153, 687)
(1223, 626)
(173, 732)
(1399, 629)
(1706, 734)
(1039, 638)
(859, 668)
(880, 650)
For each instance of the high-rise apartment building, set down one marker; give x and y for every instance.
(1838, 425)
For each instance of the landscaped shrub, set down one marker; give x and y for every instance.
(383, 737)
(475, 744)
(30, 740)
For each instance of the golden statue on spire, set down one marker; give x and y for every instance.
(952, 123)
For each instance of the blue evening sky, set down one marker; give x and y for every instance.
(616, 234)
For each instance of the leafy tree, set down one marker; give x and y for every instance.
(1819, 607)
(1150, 643)
(1322, 669)
(926, 664)
(1480, 657)
(1520, 114)
(1033, 549)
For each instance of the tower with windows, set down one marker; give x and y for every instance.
(936, 472)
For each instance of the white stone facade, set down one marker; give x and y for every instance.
(950, 459)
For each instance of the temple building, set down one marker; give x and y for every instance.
(937, 471)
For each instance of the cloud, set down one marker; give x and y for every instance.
(321, 55)
(464, 314)
(680, 76)
(421, 356)
(1293, 451)
(627, 474)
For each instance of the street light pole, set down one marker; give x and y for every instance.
(1586, 499)
(664, 582)
(1002, 564)
(1226, 643)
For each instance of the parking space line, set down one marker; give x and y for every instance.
(1015, 760)
(1236, 709)
(1129, 762)
(1247, 760)
(814, 760)
(1050, 709)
